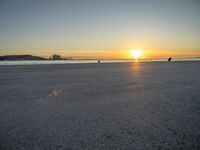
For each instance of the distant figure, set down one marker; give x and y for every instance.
(169, 59)
(99, 61)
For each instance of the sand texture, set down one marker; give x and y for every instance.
(119, 106)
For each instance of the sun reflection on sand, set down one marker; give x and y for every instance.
(136, 70)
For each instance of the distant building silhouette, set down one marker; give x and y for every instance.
(68, 58)
(56, 57)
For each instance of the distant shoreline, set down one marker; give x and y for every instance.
(28, 57)
(49, 62)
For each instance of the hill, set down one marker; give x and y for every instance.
(20, 57)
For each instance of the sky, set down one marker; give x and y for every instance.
(107, 29)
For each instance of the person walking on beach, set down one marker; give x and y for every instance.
(169, 59)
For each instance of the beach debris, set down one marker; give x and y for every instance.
(169, 59)
(55, 92)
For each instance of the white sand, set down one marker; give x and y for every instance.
(100, 106)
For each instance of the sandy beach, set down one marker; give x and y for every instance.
(125, 106)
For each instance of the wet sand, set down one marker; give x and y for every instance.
(123, 106)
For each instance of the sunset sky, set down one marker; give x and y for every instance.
(107, 29)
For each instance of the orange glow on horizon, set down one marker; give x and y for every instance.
(109, 54)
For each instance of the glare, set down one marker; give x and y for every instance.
(136, 53)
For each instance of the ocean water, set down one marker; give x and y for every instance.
(39, 62)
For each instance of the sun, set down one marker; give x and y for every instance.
(136, 53)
